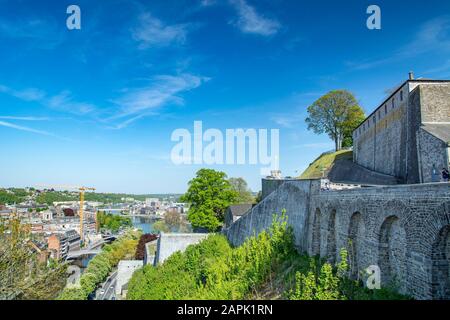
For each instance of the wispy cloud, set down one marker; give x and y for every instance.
(30, 94)
(62, 101)
(65, 102)
(42, 34)
(25, 118)
(163, 90)
(22, 128)
(432, 36)
(250, 21)
(152, 32)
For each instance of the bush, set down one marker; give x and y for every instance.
(140, 249)
(213, 269)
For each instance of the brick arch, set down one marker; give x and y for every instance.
(316, 233)
(440, 257)
(392, 252)
(356, 230)
(331, 236)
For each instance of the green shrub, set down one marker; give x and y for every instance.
(213, 269)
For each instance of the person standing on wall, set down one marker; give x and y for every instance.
(445, 174)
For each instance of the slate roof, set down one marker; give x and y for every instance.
(439, 130)
(240, 209)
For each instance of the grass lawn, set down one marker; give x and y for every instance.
(324, 163)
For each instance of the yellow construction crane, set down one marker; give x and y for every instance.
(81, 211)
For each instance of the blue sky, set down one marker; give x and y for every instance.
(97, 106)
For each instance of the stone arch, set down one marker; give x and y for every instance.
(355, 233)
(392, 253)
(440, 274)
(316, 233)
(331, 237)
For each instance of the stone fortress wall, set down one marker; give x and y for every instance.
(403, 229)
(408, 133)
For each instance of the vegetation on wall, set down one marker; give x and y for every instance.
(101, 265)
(143, 240)
(213, 269)
(266, 266)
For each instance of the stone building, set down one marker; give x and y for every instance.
(234, 212)
(408, 135)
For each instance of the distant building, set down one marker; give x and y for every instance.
(47, 215)
(234, 212)
(153, 203)
(60, 244)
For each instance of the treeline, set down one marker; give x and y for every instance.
(11, 196)
(18, 195)
(101, 265)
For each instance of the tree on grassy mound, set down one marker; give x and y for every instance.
(337, 114)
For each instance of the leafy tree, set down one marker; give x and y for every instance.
(22, 275)
(258, 197)
(241, 187)
(337, 114)
(161, 226)
(172, 219)
(112, 222)
(209, 194)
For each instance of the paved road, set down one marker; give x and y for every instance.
(108, 288)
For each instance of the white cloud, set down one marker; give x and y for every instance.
(64, 102)
(27, 129)
(163, 90)
(61, 102)
(30, 94)
(25, 118)
(151, 32)
(250, 21)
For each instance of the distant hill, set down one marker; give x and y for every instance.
(323, 164)
(18, 195)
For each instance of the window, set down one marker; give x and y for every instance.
(385, 109)
(374, 119)
(401, 95)
(393, 104)
(379, 114)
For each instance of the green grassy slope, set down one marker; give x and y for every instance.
(324, 163)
